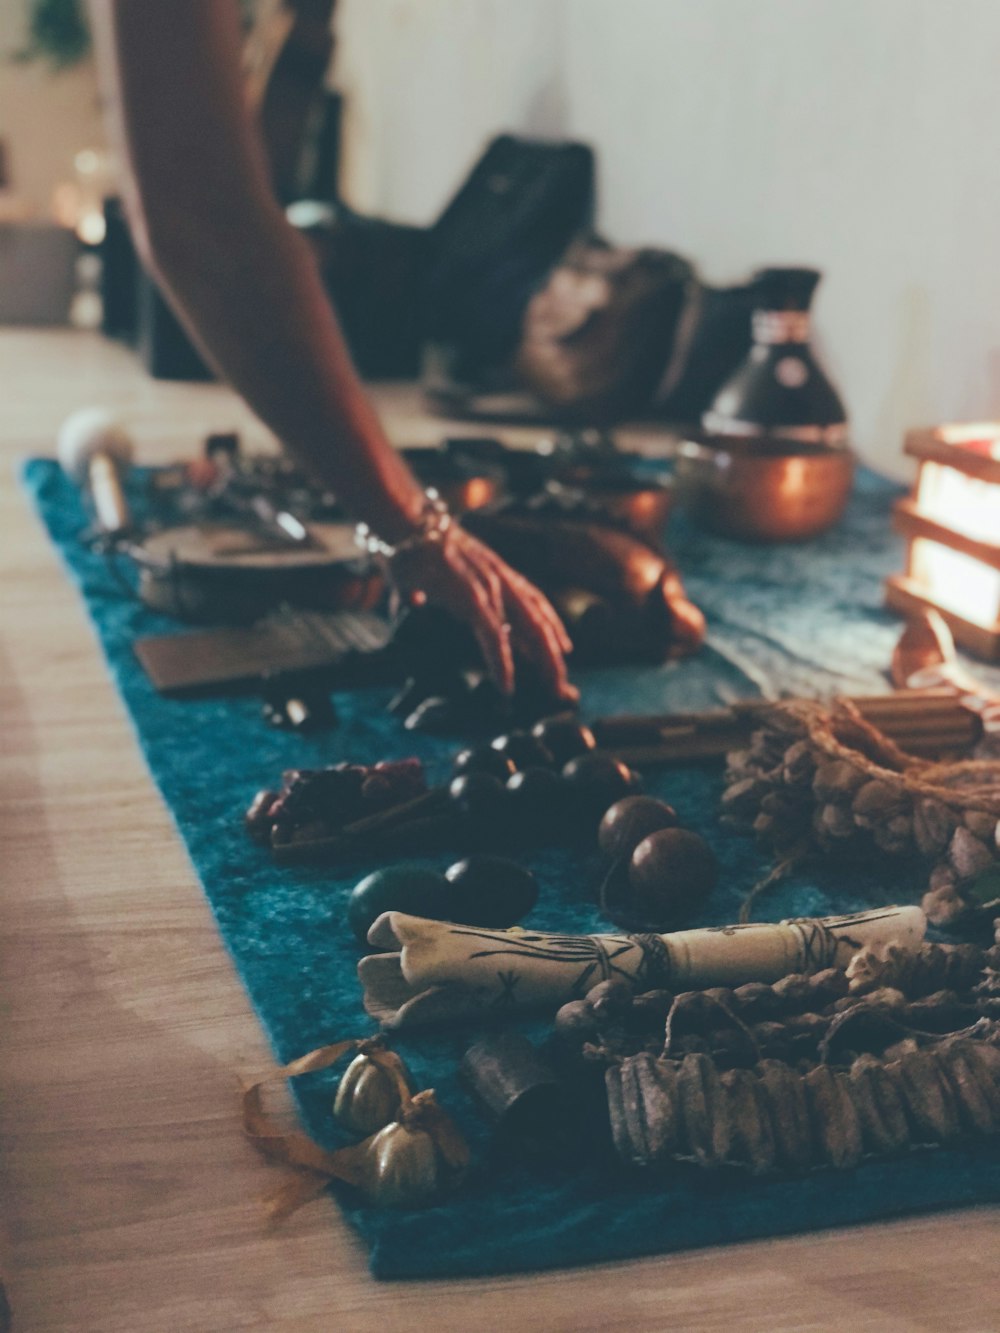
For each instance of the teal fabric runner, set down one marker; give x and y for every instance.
(782, 620)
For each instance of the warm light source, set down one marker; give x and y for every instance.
(953, 525)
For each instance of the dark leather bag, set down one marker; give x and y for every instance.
(597, 336)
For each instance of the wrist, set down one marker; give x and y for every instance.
(429, 524)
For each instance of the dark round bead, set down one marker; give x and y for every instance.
(490, 891)
(596, 780)
(564, 736)
(524, 750)
(436, 715)
(478, 796)
(399, 888)
(631, 819)
(484, 759)
(575, 1022)
(537, 801)
(671, 874)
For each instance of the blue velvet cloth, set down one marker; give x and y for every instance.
(782, 620)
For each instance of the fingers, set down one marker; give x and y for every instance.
(482, 595)
(537, 630)
(532, 595)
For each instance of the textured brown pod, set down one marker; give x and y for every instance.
(967, 856)
(877, 1100)
(974, 1105)
(786, 1098)
(930, 1103)
(834, 1118)
(706, 1133)
(752, 1141)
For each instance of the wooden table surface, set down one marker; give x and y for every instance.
(128, 1199)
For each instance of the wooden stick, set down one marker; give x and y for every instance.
(925, 725)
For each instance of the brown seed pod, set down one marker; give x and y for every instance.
(877, 802)
(752, 1141)
(983, 1061)
(933, 826)
(973, 1102)
(930, 1103)
(785, 1094)
(756, 1000)
(658, 1085)
(633, 1107)
(836, 781)
(967, 856)
(706, 1132)
(616, 1113)
(834, 1118)
(884, 1128)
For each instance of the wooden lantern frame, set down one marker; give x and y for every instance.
(974, 453)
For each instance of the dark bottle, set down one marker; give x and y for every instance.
(780, 392)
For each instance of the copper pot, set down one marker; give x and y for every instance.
(764, 490)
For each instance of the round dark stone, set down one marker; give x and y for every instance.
(631, 819)
(478, 796)
(484, 759)
(398, 888)
(671, 874)
(524, 750)
(565, 737)
(490, 891)
(436, 715)
(595, 781)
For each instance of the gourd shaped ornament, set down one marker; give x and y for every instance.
(780, 392)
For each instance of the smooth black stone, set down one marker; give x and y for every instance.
(480, 797)
(490, 891)
(565, 737)
(398, 888)
(596, 780)
(406, 700)
(631, 819)
(436, 715)
(484, 759)
(525, 750)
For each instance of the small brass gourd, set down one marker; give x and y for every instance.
(404, 1167)
(370, 1094)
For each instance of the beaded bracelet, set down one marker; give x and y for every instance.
(433, 525)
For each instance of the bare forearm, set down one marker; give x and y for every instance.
(259, 311)
(243, 280)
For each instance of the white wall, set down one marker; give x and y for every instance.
(859, 135)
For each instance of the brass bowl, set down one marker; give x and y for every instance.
(764, 490)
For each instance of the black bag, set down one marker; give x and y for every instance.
(495, 243)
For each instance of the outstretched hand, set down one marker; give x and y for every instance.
(506, 613)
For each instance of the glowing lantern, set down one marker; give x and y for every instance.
(952, 522)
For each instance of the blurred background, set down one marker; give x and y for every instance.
(856, 137)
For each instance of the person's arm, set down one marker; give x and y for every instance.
(246, 285)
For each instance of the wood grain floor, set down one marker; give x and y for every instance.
(128, 1200)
